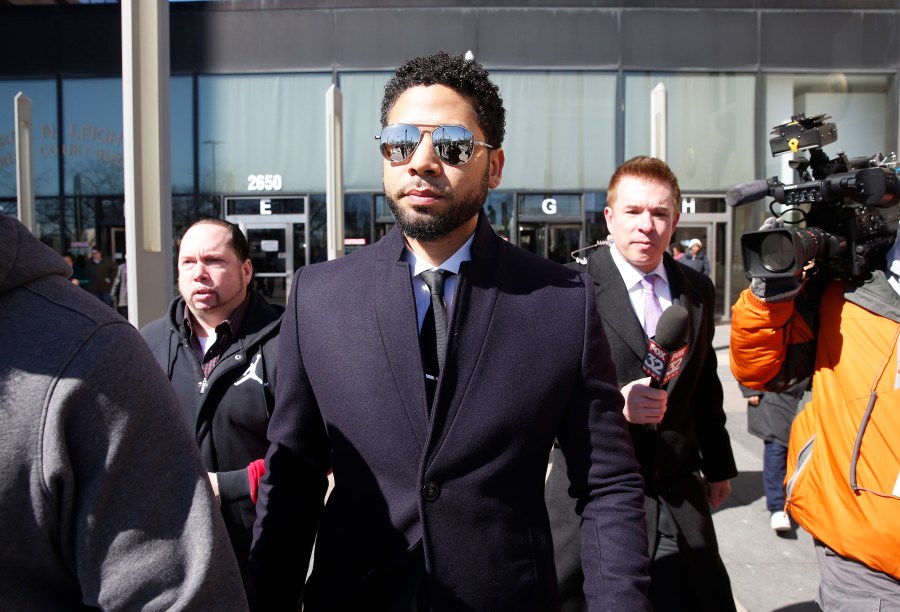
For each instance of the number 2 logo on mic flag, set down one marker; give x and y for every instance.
(654, 366)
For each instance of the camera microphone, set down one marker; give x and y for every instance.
(666, 350)
(747, 192)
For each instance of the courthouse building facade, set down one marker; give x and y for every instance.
(248, 106)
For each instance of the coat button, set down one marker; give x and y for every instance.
(431, 491)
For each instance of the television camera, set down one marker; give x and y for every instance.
(844, 233)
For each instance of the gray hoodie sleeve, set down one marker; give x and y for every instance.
(137, 522)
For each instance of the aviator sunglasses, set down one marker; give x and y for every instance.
(454, 144)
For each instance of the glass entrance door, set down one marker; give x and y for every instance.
(551, 240)
(271, 256)
(279, 244)
(276, 251)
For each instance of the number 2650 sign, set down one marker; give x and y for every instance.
(264, 182)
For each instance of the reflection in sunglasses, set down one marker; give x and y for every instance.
(453, 144)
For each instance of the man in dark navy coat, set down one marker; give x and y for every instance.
(438, 505)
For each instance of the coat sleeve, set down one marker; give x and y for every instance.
(243, 484)
(292, 491)
(137, 522)
(772, 344)
(605, 479)
(234, 486)
(707, 404)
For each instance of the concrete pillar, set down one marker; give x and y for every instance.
(24, 161)
(334, 195)
(148, 180)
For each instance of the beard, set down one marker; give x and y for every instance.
(427, 225)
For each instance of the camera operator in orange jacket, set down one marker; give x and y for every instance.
(843, 477)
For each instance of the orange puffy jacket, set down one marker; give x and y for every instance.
(843, 478)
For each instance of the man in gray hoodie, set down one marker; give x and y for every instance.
(104, 502)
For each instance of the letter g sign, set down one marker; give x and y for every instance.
(549, 206)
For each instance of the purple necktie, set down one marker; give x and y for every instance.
(652, 308)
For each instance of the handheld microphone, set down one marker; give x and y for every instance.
(667, 349)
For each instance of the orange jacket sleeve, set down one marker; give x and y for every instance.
(772, 344)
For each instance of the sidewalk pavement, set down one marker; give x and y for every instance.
(769, 572)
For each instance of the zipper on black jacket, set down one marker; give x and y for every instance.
(190, 350)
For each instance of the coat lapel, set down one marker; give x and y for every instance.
(395, 311)
(613, 302)
(685, 296)
(473, 307)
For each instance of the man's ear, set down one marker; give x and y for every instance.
(497, 159)
(247, 269)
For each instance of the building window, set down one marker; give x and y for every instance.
(262, 133)
(93, 145)
(181, 119)
(362, 94)
(711, 132)
(560, 129)
(44, 143)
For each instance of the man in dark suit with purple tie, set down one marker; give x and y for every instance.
(432, 372)
(679, 433)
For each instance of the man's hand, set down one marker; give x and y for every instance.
(644, 405)
(717, 492)
(214, 481)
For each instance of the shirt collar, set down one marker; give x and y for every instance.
(631, 275)
(464, 253)
(231, 325)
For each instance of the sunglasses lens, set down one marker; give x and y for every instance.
(454, 144)
(399, 141)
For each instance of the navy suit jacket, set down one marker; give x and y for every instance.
(527, 361)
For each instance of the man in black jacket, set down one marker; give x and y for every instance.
(217, 346)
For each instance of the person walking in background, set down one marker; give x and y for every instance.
(78, 277)
(677, 251)
(104, 500)
(218, 345)
(696, 258)
(431, 405)
(769, 417)
(119, 292)
(679, 432)
(101, 274)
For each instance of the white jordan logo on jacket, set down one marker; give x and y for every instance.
(251, 374)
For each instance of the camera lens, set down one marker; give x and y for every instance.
(777, 252)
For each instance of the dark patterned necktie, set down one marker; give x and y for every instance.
(433, 335)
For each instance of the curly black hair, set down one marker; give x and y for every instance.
(468, 78)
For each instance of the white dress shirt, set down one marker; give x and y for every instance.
(420, 289)
(632, 277)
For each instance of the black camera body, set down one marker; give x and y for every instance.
(844, 233)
